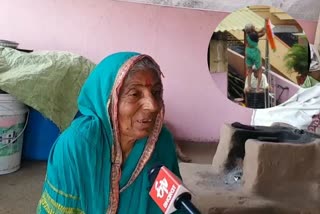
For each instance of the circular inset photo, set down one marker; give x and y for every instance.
(259, 57)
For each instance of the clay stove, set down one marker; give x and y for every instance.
(258, 169)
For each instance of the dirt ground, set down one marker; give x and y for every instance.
(20, 191)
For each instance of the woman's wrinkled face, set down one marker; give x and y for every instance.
(140, 101)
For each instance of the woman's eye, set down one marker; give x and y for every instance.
(133, 94)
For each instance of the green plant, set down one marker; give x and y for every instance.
(297, 59)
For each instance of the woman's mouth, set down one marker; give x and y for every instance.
(145, 124)
(145, 121)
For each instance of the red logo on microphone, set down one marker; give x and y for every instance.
(164, 188)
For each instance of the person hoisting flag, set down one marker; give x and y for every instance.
(270, 34)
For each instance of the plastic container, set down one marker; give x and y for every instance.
(12, 126)
(39, 137)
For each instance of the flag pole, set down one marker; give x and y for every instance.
(267, 68)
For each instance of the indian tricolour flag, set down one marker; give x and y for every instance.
(270, 35)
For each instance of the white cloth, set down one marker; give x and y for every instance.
(254, 82)
(315, 59)
(297, 111)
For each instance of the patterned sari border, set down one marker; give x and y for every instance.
(60, 191)
(52, 207)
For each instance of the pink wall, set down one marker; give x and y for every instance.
(177, 38)
(220, 80)
(310, 28)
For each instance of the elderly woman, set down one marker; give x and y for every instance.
(253, 54)
(100, 164)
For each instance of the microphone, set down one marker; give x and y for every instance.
(168, 192)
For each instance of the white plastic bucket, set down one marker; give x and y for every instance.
(12, 125)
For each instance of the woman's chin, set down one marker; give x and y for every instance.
(142, 133)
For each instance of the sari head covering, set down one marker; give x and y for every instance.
(85, 172)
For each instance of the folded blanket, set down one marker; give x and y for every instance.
(48, 81)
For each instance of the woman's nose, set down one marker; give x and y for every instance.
(151, 103)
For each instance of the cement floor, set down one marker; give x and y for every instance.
(20, 191)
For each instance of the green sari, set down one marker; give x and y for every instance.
(85, 173)
(253, 54)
